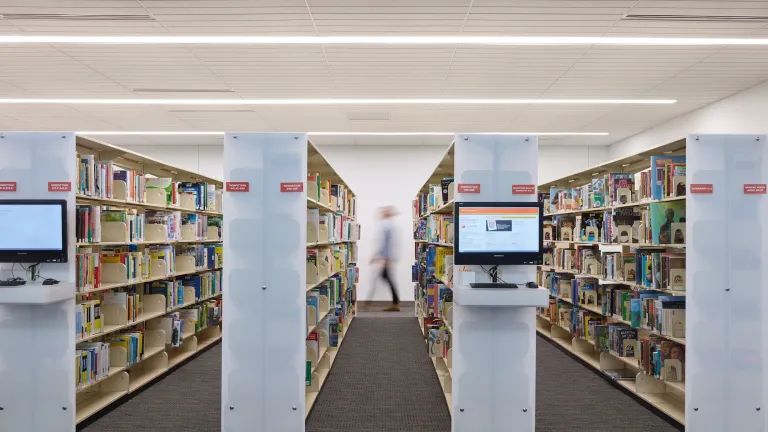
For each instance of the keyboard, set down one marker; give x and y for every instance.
(12, 282)
(492, 285)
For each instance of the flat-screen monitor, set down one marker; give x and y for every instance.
(498, 233)
(33, 231)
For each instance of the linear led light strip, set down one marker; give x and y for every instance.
(94, 133)
(361, 101)
(382, 40)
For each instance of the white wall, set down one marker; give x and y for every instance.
(382, 175)
(558, 161)
(742, 113)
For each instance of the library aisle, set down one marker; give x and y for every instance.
(382, 380)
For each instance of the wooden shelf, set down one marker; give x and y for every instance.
(86, 199)
(446, 208)
(325, 208)
(143, 317)
(316, 244)
(109, 286)
(448, 245)
(310, 286)
(613, 207)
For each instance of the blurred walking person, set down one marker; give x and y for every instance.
(385, 254)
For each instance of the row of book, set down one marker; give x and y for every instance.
(654, 355)
(89, 220)
(432, 263)
(338, 227)
(91, 363)
(644, 266)
(92, 360)
(665, 179)
(438, 336)
(103, 179)
(88, 316)
(436, 228)
(336, 289)
(137, 259)
(336, 196)
(333, 329)
(658, 312)
(436, 196)
(658, 223)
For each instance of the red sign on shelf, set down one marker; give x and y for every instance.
(59, 186)
(292, 187)
(522, 189)
(754, 189)
(701, 188)
(7, 186)
(469, 188)
(238, 187)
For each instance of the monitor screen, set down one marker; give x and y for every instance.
(33, 230)
(498, 233)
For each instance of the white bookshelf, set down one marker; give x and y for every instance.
(124, 379)
(666, 396)
(274, 175)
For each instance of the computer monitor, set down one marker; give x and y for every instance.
(33, 231)
(498, 233)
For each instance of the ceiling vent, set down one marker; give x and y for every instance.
(368, 115)
(74, 17)
(697, 18)
(211, 111)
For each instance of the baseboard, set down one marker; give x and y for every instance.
(366, 304)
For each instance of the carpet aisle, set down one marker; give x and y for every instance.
(382, 381)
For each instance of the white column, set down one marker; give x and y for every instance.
(37, 336)
(727, 276)
(265, 242)
(494, 350)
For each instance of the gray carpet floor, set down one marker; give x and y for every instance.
(187, 400)
(383, 381)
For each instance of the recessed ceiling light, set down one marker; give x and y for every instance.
(571, 180)
(182, 90)
(140, 101)
(625, 165)
(94, 133)
(381, 40)
(594, 174)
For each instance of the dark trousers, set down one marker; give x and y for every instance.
(385, 275)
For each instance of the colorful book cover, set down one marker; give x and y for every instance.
(556, 194)
(658, 168)
(621, 181)
(598, 192)
(668, 221)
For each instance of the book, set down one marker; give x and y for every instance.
(668, 222)
(659, 174)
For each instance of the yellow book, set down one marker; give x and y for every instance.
(83, 366)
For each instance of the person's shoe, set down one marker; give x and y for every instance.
(393, 308)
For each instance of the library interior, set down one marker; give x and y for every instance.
(437, 215)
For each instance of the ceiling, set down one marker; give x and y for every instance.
(695, 75)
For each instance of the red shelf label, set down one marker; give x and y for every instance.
(238, 186)
(7, 186)
(469, 188)
(701, 188)
(59, 186)
(522, 189)
(292, 187)
(754, 189)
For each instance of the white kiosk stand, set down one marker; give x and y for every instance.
(37, 338)
(727, 274)
(494, 351)
(265, 242)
